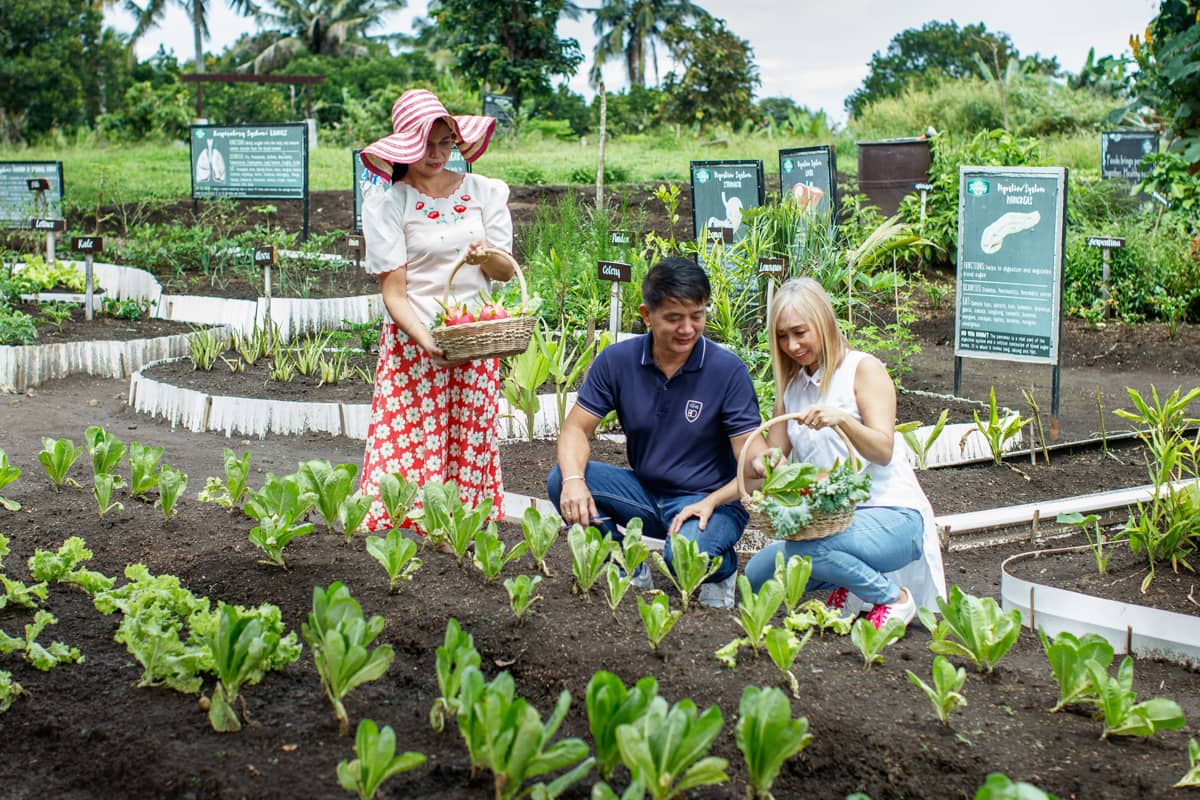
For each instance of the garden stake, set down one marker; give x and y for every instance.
(1037, 513)
(1128, 638)
(1032, 622)
(1100, 411)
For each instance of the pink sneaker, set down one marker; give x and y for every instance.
(847, 606)
(903, 611)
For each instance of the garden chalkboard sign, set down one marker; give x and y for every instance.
(721, 192)
(1121, 153)
(30, 190)
(1008, 297)
(809, 174)
(366, 181)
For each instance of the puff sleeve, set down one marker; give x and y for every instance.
(497, 221)
(383, 232)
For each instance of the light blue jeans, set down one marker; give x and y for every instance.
(880, 539)
(620, 496)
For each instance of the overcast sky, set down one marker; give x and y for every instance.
(815, 53)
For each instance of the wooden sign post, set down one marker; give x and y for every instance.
(1106, 244)
(265, 258)
(50, 226)
(357, 248)
(773, 269)
(924, 189)
(39, 187)
(88, 245)
(617, 272)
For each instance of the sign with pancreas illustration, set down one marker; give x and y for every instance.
(1010, 264)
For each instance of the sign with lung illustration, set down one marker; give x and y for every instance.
(1010, 263)
(721, 192)
(250, 162)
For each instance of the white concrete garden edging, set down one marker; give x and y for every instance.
(293, 315)
(1140, 630)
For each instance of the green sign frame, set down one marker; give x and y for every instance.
(721, 191)
(810, 174)
(1008, 292)
(250, 162)
(18, 204)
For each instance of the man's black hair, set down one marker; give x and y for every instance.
(677, 278)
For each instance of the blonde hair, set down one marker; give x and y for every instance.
(806, 297)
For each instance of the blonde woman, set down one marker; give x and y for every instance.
(888, 560)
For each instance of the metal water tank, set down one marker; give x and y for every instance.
(888, 169)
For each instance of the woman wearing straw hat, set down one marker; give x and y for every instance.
(432, 419)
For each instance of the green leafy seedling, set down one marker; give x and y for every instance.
(104, 483)
(908, 432)
(1090, 525)
(244, 644)
(870, 640)
(39, 656)
(8, 474)
(756, 610)
(972, 627)
(397, 494)
(57, 456)
(63, 566)
(231, 492)
(945, 694)
(375, 760)
(448, 520)
(456, 654)
(768, 736)
(617, 586)
(1000, 787)
(633, 551)
(995, 431)
(105, 449)
(18, 594)
(815, 614)
(793, 575)
(9, 690)
(666, 750)
(351, 513)
(172, 483)
(330, 486)
(521, 595)
(689, 567)
(397, 555)
(590, 551)
(278, 507)
(143, 461)
(1191, 778)
(783, 646)
(609, 706)
(490, 555)
(657, 617)
(1069, 655)
(541, 532)
(1120, 711)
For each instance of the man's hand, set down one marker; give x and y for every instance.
(701, 510)
(576, 503)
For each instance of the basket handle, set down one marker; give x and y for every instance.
(463, 260)
(741, 462)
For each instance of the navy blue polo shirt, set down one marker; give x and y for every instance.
(677, 431)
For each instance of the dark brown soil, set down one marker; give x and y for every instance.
(101, 327)
(254, 380)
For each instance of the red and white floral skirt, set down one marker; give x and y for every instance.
(432, 423)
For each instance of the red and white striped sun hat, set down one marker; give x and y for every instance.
(412, 117)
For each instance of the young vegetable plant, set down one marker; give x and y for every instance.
(40, 656)
(375, 760)
(104, 484)
(340, 638)
(244, 645)
(143, 461)
(768, 736)
(1069, 655)
(447, 520)
(783, 647)
(57, 457)
(589, 554)
(984, 633)
(397, 495)
(617, 586)
(330, 486)
(870, 640)
(541, 532)
(16, 592)
(657, 617)
(490, 555)
(1191, 778)
(172, 483)
(105, 449)
(396, 554)
(10, 689)
(908, 432)
(278, 506)
(8, 474)
(351, 513)
(1000, 787)
(521, 595)
(996, 431)
(815, 614)
(232, 491)
(1096, 542)
(1120, 711)
(945, 692)
(609, 706)
(793, 576)
(63, 566)
(756, 610)
(453, 657)
(526, 372)
(633, 551)
(691, 567)
(666, 750)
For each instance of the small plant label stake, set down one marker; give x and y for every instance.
(774, 269)
(265, 257)
(1106, 244)
(357, 247)
(88, 245)
(617, 272)
(50, 227)
(924, 189)
(720, 233)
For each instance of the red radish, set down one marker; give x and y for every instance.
(492, 310)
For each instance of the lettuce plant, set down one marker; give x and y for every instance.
(352, 512)
(40, 656)
(617, 586)
(1069, 655)
(666, 749)
(541, 532)
(447, 519)
(768, 736)
(1121, 713)
(232, 491)
(590, 552)
(945, 692)
(105, 449)
(57, 457)
(689, 567)
(330, 486)
(397, 494)
(8, 474)
(1191, 778)
(64, 566)
(1000, 787)
(633, 551)
(18, 594)
(815, 614)
(521, 595)
(340, 638)
(278, 506)
(9, 689)
(375, 760)
(870, 640)
(143, 461)
(756, 610)
(490, 555)
(972, 627)
(783, 647)
(171, 485)
(397, 554)
(104, 483)
(456, 654)
(244, 645)
(793, 575)
(610, 705)
(657, 618)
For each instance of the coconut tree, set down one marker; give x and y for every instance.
(320, 27)
(150, 13)
(629, 27)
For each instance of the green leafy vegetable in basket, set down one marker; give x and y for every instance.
(793, 494)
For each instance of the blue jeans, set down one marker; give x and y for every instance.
(620, 496)
(879, 539)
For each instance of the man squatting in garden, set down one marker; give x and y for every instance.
(686, 405)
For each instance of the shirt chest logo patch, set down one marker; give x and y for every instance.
(691, 412)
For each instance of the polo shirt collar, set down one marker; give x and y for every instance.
(695, 360)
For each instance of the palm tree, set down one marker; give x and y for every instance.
(320, 27)
(628, 27)
(150, 15)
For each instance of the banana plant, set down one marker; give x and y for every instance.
(666, 750)
(972, 627)
(1069, 655)
(609, 706)
(908, 432)
(767, 735)
(456, 654)
(541, 532)
(526, 372)
(490, 555)
(397, 555)
(57, 456)
(521, 595)
(143, 461)
(589, 553)
(397, 495)
(375, 760)
(945, 694)
(8, 474)
(870, 640)
(689, 567)
(658, 618)
(793, 575)
(1122, 714)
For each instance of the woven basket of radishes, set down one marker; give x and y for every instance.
(492, 332)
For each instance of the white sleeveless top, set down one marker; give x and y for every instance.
(893, 484)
